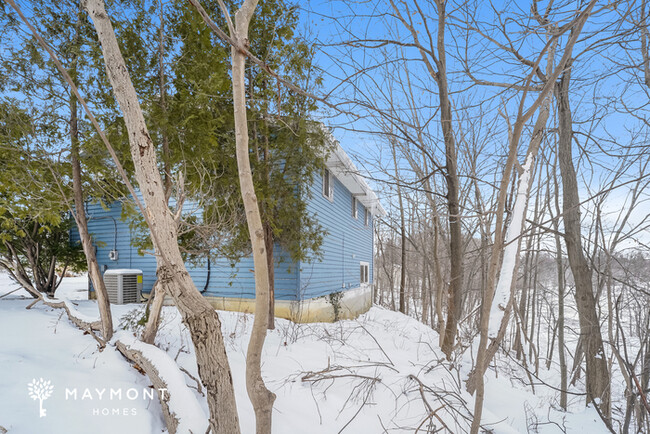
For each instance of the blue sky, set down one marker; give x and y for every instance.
(332, 22)
(603, 83)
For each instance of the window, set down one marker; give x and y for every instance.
(355, 211)
(366, 217)
(328, 190)
(364, 270)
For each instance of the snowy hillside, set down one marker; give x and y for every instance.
(381, 373)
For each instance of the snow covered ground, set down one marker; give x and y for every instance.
(380, 373)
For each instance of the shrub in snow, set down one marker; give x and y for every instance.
(135, 319)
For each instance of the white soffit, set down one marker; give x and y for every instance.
(341, 166)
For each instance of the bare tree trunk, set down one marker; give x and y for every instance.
(439, 282)
(454, 302)
(497, 298)
(523, 302)
(163, 104)
(197, 313)
(597, 379)
(155, 305)
(436, 64)
(402, 274)
(80, 213)
(261, 398)
(392, 272)
(645, 380)
(403, 262)
(89, 250)
(495, 311)
(154, 308)
(425, 291)
(561, 287)
(644, 43)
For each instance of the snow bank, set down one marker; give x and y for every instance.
(352, 376)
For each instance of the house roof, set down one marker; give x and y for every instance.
(341, 166)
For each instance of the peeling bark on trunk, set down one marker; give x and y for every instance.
(197, 313)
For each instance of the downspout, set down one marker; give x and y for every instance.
(371, 277)
(343, 262)
(207, 279)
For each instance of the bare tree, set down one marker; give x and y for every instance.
(261, 398)
(598, 382)
(79, 212)
(499, 297)
(433, 54)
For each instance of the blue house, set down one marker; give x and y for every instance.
(338, 286)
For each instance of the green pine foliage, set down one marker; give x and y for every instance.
(287, 147)
(181, 72)
(34, 222)
(35, 171)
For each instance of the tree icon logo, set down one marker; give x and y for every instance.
(40, 389)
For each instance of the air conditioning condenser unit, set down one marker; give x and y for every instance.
(123, 285)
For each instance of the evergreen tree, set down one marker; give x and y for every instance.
(287, 148)
(34, 223)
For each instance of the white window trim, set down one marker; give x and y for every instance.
(329, 195)
(367, 276)
(366, 217)
(355, 208)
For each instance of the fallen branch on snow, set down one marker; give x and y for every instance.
(181, 411)
(84, 322)
(4, 295)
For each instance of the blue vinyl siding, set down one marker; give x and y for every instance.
(108, 230)
(347, 243)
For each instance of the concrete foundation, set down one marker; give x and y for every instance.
(328, 308)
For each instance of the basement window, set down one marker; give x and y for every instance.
(364, 270)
